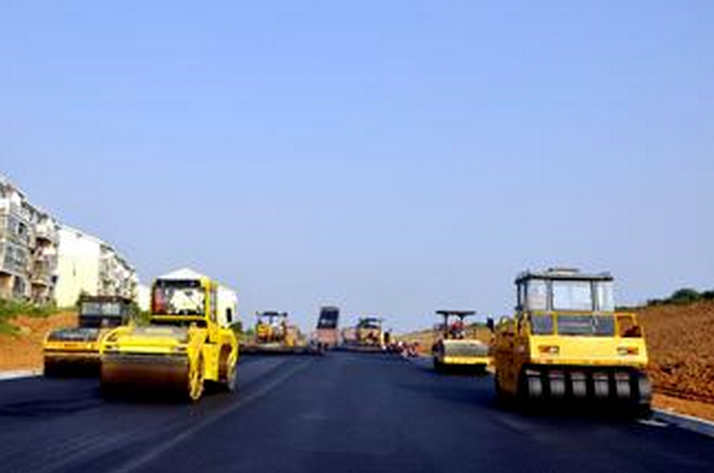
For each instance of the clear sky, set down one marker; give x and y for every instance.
(391, 157)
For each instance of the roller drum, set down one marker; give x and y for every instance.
(148, 373)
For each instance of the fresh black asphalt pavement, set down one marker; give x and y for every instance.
(343, 412)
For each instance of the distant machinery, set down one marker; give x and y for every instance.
(455, 349)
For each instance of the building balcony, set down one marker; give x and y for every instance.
(15, 230)
(43, 271)
(13, 259)
(9, 208)
(46, 232)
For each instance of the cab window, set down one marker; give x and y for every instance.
(572, 295)
(542, 325)
(537, 295)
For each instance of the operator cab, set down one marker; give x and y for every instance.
(182, 302)
(370, 323)
(104, 311)
(454, 327)
(570, 303)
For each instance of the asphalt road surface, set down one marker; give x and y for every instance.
(339, 413)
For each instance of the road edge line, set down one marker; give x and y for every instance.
(691, 423)
(10, 375)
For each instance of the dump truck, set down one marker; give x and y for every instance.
(455, 350)
(75, 350)
(186, 345)
(567, 342)
(327, 335)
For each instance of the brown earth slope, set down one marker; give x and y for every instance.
(23, 350)
(680, 342)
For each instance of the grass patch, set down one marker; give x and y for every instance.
(10, 309)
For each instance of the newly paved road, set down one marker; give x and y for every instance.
(342, 413)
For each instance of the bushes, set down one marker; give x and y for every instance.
(10, 309)
(683, 296)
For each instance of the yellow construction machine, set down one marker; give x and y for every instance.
(455, 350)
(369, 334)
(184, 347)
(567, 342)
(75, 350)
(274, 335)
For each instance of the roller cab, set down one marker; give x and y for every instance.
(567, 342)
(179, 352)
(75, 350)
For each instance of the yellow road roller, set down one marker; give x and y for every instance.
(567, 342)
(75, 350)
(183, 348)
(274, 335)
(369, 334)
(456, 350)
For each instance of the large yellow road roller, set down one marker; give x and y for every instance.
(183, 348)
(455, 350)
(567, 342)
(75, 350)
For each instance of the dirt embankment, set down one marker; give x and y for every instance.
(680, 342)
(23, 350)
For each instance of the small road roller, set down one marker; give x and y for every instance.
(568, 343)
(455, 350)
(75, 350)
(182, 349)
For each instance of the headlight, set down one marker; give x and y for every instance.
(549, 349)
(628, 351)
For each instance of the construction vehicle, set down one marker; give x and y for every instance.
(327, 335)
(568, 342)
(369, 334)
(186, 345)
(275, 335)
(75, 350)
(455, 350)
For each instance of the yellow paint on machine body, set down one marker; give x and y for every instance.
(68, 350)
(567, 341)
(183, 348)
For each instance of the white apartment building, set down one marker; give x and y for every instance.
(28, 247)
(88, 265)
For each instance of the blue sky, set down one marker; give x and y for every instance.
(389, 157)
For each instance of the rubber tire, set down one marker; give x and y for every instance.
(644, 388)
(579, 388)
(601, 388)
(623, 389)
(557, 387)
(534, 385)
